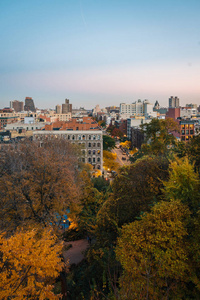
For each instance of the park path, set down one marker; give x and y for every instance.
(75, 254)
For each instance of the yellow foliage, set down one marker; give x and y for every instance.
(126, 144)
(109, 160)
(29, 264)
(132, 152)
(153, 252)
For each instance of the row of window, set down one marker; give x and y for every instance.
(94, 152)
(72, 137)
(187, 126)
(83, 137)
(93, 159)
(94, 145)
(191, 131)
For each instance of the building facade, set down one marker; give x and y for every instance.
(29, 104)
(174, 102)
(58, 109)
(90, 142)
(138, 108)
(17, 105)
(66, 107)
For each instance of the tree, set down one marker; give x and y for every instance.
(126, 144)
(109, 162)
(183, 183)
(116, 133)
(135, 189)
(108, 142)
(102, 123)
(159, 135)
(30, 261)
(153, 253)
(194, 152)
(37, 183)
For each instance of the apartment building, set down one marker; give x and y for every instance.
(138, 108)
(90, 142)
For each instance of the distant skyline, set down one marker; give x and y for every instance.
(99, 52)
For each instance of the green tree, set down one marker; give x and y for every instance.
(153, 253)
(135, 189)
(159, 135)
(194, 152)
(108, 142)
(183, 183)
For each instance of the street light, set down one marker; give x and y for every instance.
(64, 221)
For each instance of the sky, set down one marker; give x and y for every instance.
(99, 51)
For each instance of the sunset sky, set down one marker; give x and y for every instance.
(99, 51)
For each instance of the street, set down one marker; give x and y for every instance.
(119, 159)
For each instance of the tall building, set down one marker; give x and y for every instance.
(138, 108)
(58, 109)
(173, 102)
(66, 107)
(29, 104)
(17, 105)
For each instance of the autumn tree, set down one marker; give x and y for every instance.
(30, 261)
(109, 161)
(153, 254)
(135, 189)
(37, 183)
(126, 144)
(116, 133)
(183, 183)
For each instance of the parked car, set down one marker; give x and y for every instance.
(123, 158)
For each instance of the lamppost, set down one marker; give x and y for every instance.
(64, 221)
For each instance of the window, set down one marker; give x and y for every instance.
(98, 152)
(68, 137)
(89, 152)
(98, 145)
(73, 137)
(94, 152)
(89, 137)
(83, 137)
(93, 160)
(94, 144)
(98, 167)
(83, 159)
(94, 137)
(89, 145)
(98, 137)
(79, 137)
(89, 159)
(98, 159)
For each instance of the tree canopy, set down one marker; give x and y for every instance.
(29, 264)
(37, 183)
(108, 142)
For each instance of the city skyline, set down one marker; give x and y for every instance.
(102, 53)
